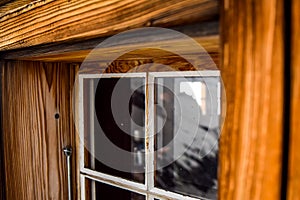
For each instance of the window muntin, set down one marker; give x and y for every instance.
(149, 183)
(107, 191)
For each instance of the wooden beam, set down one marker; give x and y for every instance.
(206, 34)
(210, 44)
(50, 21)
(252, 71)
(294, 156)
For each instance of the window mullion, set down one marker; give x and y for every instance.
(150, 133)
(82, 187)
(92, 132)
(81, 123)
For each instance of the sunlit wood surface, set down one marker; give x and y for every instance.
(51, 21)
(294, 162)
(252, 71)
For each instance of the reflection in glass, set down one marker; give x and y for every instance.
(117, 116)
(187, 123)
(105, 191)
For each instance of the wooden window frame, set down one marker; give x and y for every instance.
(147, 188)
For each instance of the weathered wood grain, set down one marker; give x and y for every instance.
(2, 166)
(148, 55)
(78, 52)
(33, 92)
(209, 43)
(60, 21)
(294, 157)
(157, 61)
(252, 71)
(206, 34)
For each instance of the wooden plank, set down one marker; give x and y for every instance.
(209, 43)
(2, 166)
(294, 157)
(252, 71)
(206, 34)
(33, 93)
(60, 21)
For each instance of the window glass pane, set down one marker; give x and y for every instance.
(101, 191)
(187, 120)
(115, 126)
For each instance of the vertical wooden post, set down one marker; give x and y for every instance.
(2, 171)
(294, 156)
(252, 71)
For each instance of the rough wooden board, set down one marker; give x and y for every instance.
(206, 34)
(2, 166)
(33, 93)
(209, 43)
(252, 71)
(56, 21)
(294, 157)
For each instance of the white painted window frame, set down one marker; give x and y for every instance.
(147, 188)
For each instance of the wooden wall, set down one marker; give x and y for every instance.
(253, 73)
(33, 93)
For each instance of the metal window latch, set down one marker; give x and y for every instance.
(68, 152)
